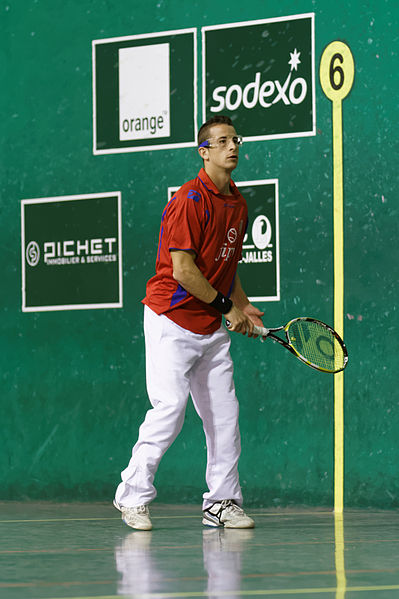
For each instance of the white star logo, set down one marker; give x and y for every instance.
(294, 62)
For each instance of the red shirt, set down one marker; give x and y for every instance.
(213, 225)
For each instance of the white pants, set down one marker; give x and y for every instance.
(178, 363)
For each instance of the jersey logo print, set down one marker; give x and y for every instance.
(228, 249)
(195, 195)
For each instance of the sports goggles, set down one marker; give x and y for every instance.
(222, 142)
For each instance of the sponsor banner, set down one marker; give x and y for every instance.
(154, 95)
(71, 252)
(259, 268)
(261, 74)
(145, 92)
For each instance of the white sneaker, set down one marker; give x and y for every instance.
(228, 514)
(136, 517)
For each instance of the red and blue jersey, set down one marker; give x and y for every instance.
(201, 219)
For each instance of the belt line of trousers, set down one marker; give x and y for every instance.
(180, 363)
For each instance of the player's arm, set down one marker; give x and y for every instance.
(187, 273)
(189, 276)
(240, 299)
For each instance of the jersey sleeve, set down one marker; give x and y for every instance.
(186, 219)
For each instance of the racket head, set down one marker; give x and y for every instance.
(317, 344)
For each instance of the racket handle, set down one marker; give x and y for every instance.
(262, 331)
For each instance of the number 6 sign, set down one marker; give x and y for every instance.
(337, 70)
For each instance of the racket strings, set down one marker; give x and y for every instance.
(316, 344)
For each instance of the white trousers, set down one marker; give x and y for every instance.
(179, 363)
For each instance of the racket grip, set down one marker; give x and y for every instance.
(262, 331)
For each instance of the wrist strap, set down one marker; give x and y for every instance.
(222, 303)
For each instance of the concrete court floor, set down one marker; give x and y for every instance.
(81, 550)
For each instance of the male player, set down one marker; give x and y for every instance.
(187, 348)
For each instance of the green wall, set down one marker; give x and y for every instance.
(73, 386)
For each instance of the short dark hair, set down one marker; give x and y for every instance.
(220, 119)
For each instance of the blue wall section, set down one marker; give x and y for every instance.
(73, 384)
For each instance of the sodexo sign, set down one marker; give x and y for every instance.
(261, 73)
(266, 94)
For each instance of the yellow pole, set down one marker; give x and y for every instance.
(337, 71)
(338, 304)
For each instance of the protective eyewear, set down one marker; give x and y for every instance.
(222, 142)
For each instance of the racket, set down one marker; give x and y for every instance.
(312, 341)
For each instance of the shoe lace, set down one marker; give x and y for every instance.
(227, 504)
(141, 509)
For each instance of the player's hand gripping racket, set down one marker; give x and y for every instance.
(312, 341)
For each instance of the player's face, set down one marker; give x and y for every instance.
(224, 149)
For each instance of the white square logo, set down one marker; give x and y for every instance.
(144, 92)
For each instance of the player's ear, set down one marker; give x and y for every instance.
(203, 152)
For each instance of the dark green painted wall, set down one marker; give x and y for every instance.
(73, 388)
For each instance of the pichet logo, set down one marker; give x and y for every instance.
(32, 253)
(70, 252)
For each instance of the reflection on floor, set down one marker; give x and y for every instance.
(53, 551)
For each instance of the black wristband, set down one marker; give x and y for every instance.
(222, 303)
